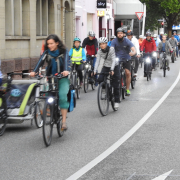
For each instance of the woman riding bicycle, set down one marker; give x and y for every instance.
(107, 55)
(77, 53)
(57, 58)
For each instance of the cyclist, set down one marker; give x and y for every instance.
(91, 45)
(177, 37)
(141, 39)
(109, 43)
(57, 58)
(164, 46)
(107, 55)
(157, 41)
(149, 46)
(136, 45)
(173, 42)
(124, 49)
(77, 53)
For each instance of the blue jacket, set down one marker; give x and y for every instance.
(109, 43)
(177, 37)
(64, 62)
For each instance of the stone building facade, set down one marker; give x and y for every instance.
(24, 24)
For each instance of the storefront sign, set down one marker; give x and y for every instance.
(101, 13)
(101, 4)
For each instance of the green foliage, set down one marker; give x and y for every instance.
(158, 9)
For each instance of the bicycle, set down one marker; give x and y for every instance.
(148, 65)
(106, 94)
(51, 113)
(133, 78)
(75, 79)
(164, 63)
(88, 79)
(141, 60)
(173, 58)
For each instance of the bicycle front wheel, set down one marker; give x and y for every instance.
(47, 123)
(3, 117)
(59, 124)
(86, 83)
(38, 115)
(103, 99)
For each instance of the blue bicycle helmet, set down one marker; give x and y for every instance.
(15, 93)
(77, 39)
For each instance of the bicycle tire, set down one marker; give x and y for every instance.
(38, 115)
(59, 125)
(78, 90)
(120, 92)
(3, 118)
(86, 82)
(164, 69)
(132, 79)
(112, 103)
(47, 123)
(172, 57)
(124, 87)
(103, 98)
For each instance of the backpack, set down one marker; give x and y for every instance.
(71, 98)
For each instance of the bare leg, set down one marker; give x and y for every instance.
(64, 114)
(128, 78)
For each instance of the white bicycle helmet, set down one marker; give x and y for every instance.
(113, 37)
(103, 40)
(91, 33)
(155, 35)
(141, 36)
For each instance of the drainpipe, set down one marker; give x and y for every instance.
(144, 19)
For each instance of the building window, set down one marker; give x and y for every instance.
(17, 18)
(51, 18)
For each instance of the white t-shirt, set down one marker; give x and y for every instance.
(136, 44)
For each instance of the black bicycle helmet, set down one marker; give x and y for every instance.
(129, 33)
(120, 30)
(148, 34)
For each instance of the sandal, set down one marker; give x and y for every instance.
(64, 127)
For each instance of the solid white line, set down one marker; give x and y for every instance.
(164, 176)
(116, 145)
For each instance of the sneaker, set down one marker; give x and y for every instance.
(81, 84)
(128, 93)
(161, 67)
(145, 75)
(168, 68)
(96, 84)
(135, 74)
(116, 105)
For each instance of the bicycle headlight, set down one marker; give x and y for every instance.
(148, 60)
(86, 65)
(117, 59)
(154, 54)
(50, 100)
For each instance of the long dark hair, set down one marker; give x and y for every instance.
(61, 46)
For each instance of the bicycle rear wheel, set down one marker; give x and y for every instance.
(38, 115)
(103, 99)
(164, 69)
(123, 81)
(78, 90)
(3, 117)
(133, 79)
(86, 82)
(47, 123)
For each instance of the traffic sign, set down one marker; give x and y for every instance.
(139, 14)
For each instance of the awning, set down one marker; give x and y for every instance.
(176, 27)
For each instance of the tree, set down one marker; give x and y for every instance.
(157, 9)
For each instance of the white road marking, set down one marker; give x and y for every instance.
(164, 176)
(123, 139)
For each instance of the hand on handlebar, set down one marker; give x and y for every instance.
(65, 73)
(32, 74)
(111, 73)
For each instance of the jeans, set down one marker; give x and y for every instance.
(177, 49)
(63, 92)
(115, 81)
(167, 57)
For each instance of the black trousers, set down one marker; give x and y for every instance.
(115, 81)
(79, 69)
(136, 63)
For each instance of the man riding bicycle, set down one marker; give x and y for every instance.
(149, 45)
(174, 43)
(164, 46)
(77, 53)
(177, 48)
(136, 45)
(107, 55)
(91, 45)
(124, 49)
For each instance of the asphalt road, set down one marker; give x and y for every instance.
(153, 150)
